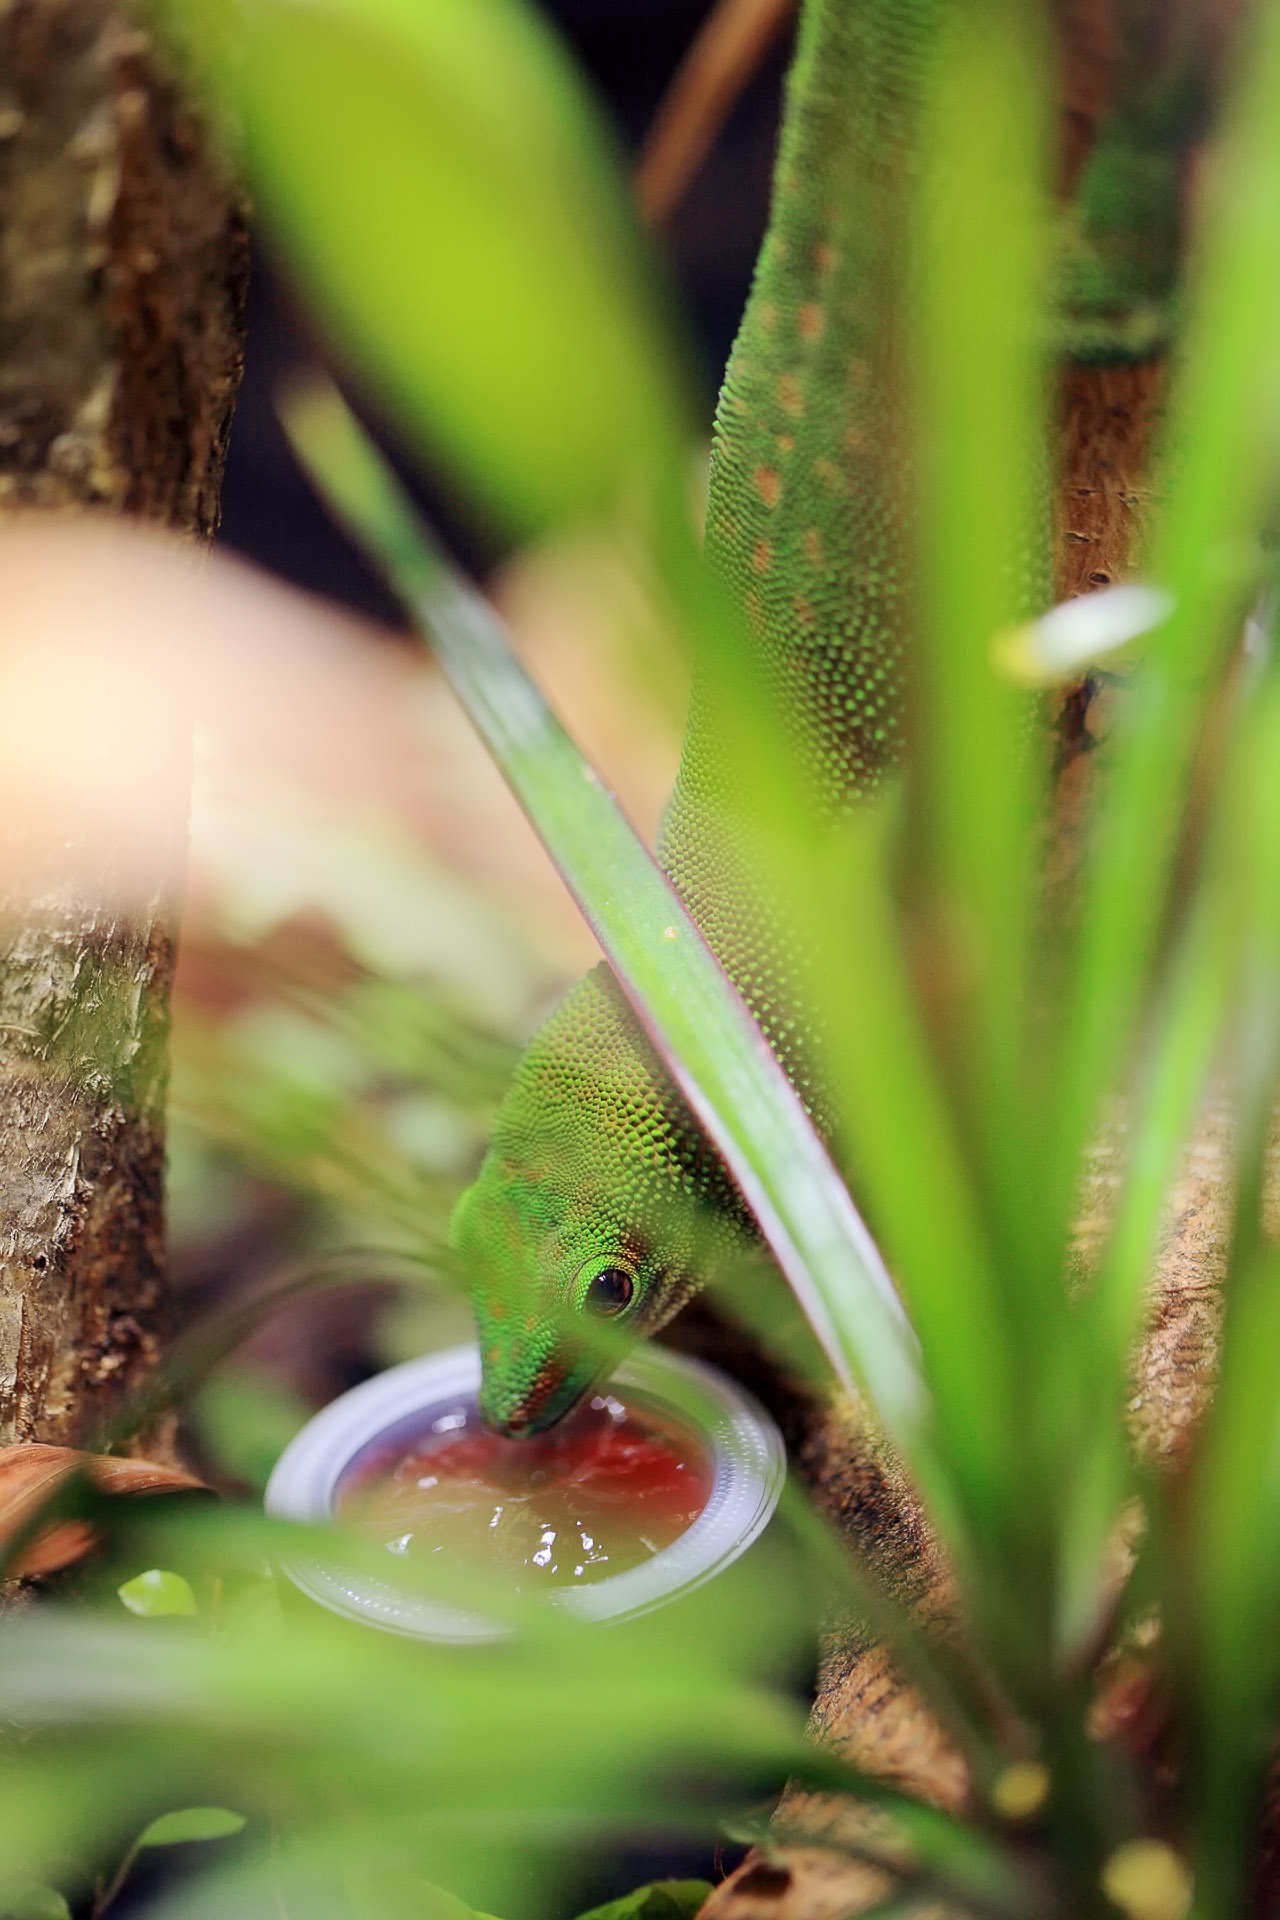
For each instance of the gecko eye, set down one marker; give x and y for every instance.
(608, 1292)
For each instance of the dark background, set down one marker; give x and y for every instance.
(629, 49)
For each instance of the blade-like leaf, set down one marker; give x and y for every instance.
(711, 1045)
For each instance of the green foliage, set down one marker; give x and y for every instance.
(180, 1828)
(360, 1750)
(190, 1823)
(986, 1093)
(442, 189)
(365, 1095)
(155, 1593)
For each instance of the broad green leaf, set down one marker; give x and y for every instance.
(32, 1900)
(437, 179)
(710, 1044)
(158, 1592)
(661, 1900)
(190, 1823)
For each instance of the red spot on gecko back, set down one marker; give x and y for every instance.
(790, 396)
(811, 321)
(768, 485)
(761, 557)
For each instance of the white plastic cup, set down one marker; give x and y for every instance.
(748, 1468)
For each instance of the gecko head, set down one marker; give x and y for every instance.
(555, 1308)
(587, 1226)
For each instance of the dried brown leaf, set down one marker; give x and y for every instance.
(30, 1476)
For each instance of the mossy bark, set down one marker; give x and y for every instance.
(123, 269)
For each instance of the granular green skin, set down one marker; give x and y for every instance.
(594, 1161)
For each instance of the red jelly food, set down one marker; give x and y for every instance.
(598, 1495)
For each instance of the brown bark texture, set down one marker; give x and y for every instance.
(123, 268)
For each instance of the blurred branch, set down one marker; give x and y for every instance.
(121, 308)
(724, 56)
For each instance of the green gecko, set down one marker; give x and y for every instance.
(598, 1203)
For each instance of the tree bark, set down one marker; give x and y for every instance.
(123, 270)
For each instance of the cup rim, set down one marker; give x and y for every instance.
(747, 1456)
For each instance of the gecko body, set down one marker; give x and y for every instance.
(599, 1203)
(598, 1198)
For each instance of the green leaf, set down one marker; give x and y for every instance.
(438, 179)
(190, 1823)
(661, 1900)
(32, 1900)
(157, 1592)
(711, 1046)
